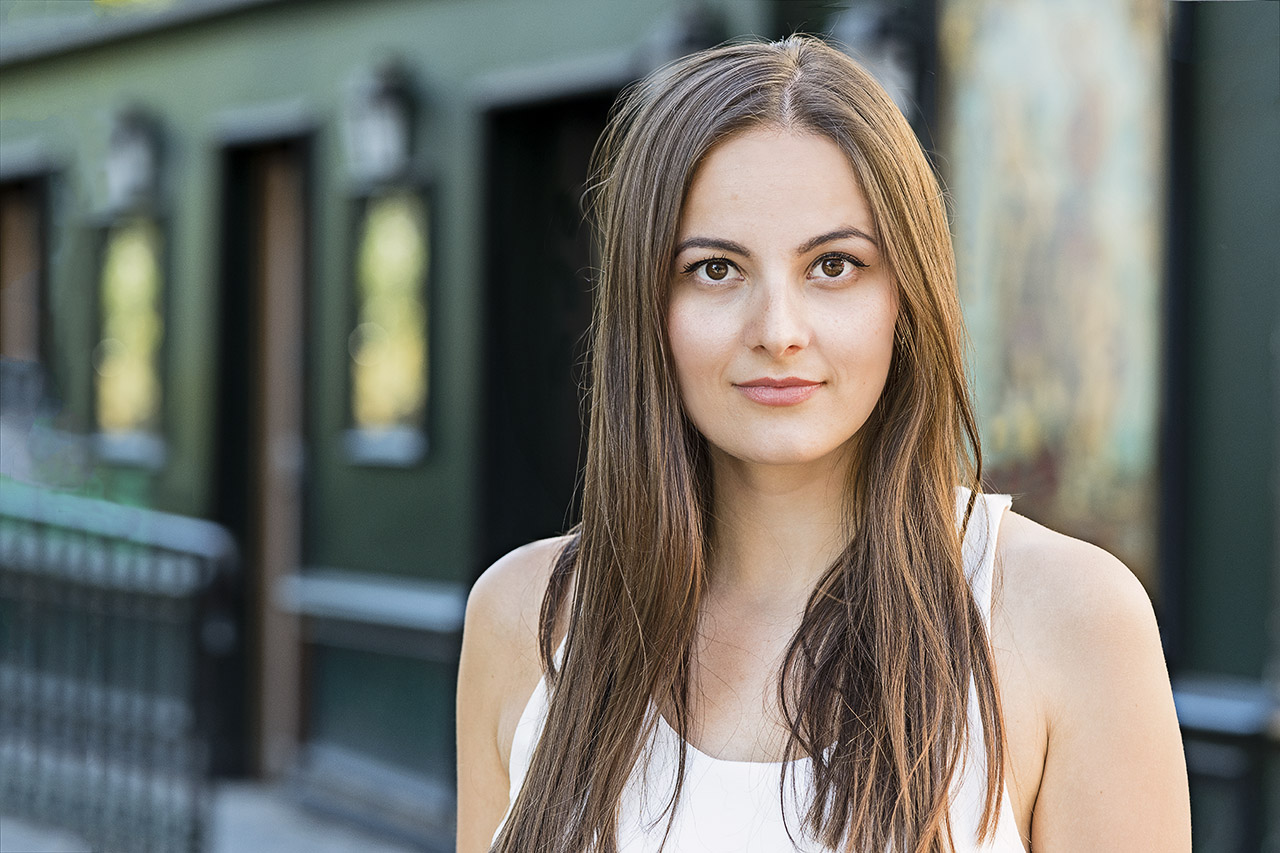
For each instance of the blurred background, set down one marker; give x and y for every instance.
(292, 297)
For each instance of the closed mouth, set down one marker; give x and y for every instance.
(785, 382)
(788, 391)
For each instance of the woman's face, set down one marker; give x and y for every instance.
(782, 305)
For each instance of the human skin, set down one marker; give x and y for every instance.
(778, 274)
(1093, 758)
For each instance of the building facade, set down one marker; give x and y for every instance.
(318, 272)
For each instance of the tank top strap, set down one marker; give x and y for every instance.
(529, 727)
(979, 546)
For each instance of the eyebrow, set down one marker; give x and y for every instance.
(712, 243)
(838, 234)
(806, 247)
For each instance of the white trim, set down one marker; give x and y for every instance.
(435, 607)
(176, 533)
(26, 159)
(1227, 706)
(39, 42)
(137, 448)
(395, 447)
(270, 121)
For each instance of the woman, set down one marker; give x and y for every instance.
(788, 619)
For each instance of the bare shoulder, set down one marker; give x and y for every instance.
(500, 634)
(497, 671)
(1083, 632)
(506, 599)
(1069, 603)
(499, 637)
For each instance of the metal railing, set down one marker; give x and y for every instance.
(109, 622)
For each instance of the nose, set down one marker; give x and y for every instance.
(779, 324)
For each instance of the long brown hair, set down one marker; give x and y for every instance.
(875, 683)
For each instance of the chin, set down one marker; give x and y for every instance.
(783, 452)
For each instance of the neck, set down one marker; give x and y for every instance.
(776, 528)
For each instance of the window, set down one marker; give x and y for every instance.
(126, 358)
(388, 342)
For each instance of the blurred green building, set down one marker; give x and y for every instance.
(316, 271)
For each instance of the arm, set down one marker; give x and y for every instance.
(482, 776)
(1114, 774)
(497, 673)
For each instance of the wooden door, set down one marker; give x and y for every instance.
(261, 442)
(20, 271)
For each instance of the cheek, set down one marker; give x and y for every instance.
(864, 327)
(865, 346)
(695, 342)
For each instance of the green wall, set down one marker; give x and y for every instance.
(1232, 337)
(262, 65)
(286, 65)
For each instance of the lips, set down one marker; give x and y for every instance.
(787, 391)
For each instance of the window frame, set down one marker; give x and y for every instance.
(403, 447)
(147, 448)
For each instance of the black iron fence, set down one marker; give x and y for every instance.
(110, 627)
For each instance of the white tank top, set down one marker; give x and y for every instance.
(734, 806)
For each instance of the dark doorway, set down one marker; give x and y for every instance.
(22, 251)
(538, 270)
(260, 440)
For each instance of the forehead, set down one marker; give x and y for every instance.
(774, 182)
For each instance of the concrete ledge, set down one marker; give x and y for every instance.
(377, 613)
(1227, 707)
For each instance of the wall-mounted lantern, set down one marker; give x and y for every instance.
(379, 123)
(132, 163)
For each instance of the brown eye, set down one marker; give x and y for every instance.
(833, 267)
(717, 270)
